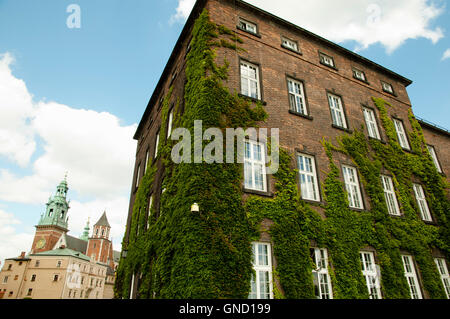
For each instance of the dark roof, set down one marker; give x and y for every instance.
(435, 127)
(76, 244)
(103, 221)
(199, 5)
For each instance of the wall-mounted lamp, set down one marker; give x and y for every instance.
(195, 208)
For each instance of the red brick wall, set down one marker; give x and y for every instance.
(50, 235)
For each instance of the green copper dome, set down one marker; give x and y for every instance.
(57, 208)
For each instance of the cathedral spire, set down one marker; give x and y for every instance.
(57, 207)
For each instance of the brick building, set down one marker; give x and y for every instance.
(312, 90)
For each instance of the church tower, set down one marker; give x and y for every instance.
(99, 246)
(54, 222)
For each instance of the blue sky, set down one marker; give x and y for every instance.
(91, 86)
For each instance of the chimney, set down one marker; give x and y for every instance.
(62, 247)
(22, 254)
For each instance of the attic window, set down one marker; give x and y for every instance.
(326, 60)
(289, 44)
(247, 26)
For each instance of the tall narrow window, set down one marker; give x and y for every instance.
(389, 195)
(261, 281)
(403, 140)
(150, 205)
(169, 124)
(322, 281)
(156, 144)
(411, 277)
(137, 175)
(337, 111)
(254, 166)
(250, 85)
(146, 160)
(352, 187)
(309, 185)
(371, 123)
(297, 96)
(434, 157)
(443, 271)
(422, 202)
(370, 273)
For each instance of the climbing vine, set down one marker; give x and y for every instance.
(184, 254)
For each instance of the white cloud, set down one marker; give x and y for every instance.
(446, 55)
(367, 22)
(12, 243)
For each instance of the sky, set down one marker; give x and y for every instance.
(74, 87)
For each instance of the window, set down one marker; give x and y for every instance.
(58, 264)
(70, 293)
(261, 282)
(156, 144)
(403, 140)
(9, 266)
(352, 187)
(443, 271)
(137, 178)
(169, 124)
(150, 205)
(289, 44)
(370, 273)
(434, 157)
(297, 98)
(146, 161)
(50, 213)
(55, 278)
(33, 278)
(16, 277)
(5, 279)
(321, 277)
(37, 263)
(337, 111)
(422, 202)
(309, 185)
(30, 291)
(389, 195)
(359, 75)
(250, 80)
(411, 277)
(254, 166)
(326, 60)
(371, 123)
(247, 26)
(387, 87)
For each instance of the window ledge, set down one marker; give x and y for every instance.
(313, 202)
(364, 81)
(391, 93)
(432, 223)
(292, 50)
(359, 210)
(249, 32)
(377, 139)
(255, 192)
(301, 115)
(330, 66)
(342, 128)
(252, 99)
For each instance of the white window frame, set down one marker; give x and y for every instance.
(411, 277)
(321, 276)
(146, 160)
(170, 123)
(297, 97)
(245, 68)
(371, 274)
(309, 182)
(371, 123)
(422, 203)
(401, 134)
(251, 163)
(445, 277)
(337, 110)
(326, 59)
(433, 154)
(137, 175)
(156, 145)
(248, 26)
(150, 204)
(261, 268)
(359, 75)
(289, 44)
(390, 196)
(352, 186)
(387, 87)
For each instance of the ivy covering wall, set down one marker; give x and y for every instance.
(185, 254)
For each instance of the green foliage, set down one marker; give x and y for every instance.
(184, 254)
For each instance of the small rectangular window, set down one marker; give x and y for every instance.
(309, 184)
(55, 278)
(434, 157)
(402, 139)
(250, 84)
(255, 166)
(297, 98)
(337, 111)
(443, 271)
(387, 87)
(390, 196)
(411, 277)
(33, 278)
(289, 44)
(261, 280)
(370, 273)
(422, 203)
(321, 277)
(359, 75)
(326, 60)
(58, 264)
(247, 26)
(37, 263)
(371, 123)
(352, 187)
(30, 291)
(5, 279)
(150, 205)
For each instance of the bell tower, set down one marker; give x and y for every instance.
(54, 222)
(100, 246)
